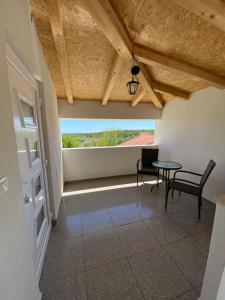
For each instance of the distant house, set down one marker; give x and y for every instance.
(143, 138)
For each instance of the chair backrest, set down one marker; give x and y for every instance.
(148, 156)
(207, 172)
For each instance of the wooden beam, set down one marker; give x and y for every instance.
(116, 67)
(148, 86)
(213, 11)
(137, 97)
(151, 57)
(58, 35)
(171, 90)
(109, 22)
(110, 25)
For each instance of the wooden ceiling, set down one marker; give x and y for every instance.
(88, 45)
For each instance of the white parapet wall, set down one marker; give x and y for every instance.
(86, 163)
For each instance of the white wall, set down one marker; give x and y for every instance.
(17, 276)
(214, 281)
(113, 110)
(192, 132)
(221, 292)
(100, 162)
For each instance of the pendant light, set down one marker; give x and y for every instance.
(132, 85)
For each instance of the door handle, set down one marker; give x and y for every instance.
(27, 199)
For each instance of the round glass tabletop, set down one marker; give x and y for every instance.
(168, 165)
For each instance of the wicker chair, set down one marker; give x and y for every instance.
(190, 187)
(144, 165)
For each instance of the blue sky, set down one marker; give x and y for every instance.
(88, 126)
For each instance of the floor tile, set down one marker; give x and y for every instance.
(136, 238)
(63, 258)
(66, 227)
(101, 248)
(189, 296)
(96, 221)
(198, 289)
(147, 209)
(203, 239)
(113, 281)
(114, 227)
(123, 214)
(158, 276)
(180, 203)
(208, 214)
(190, 223)
(67, 288)
(190, 258)
(165, 229)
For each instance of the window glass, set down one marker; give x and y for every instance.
(37, 185)
(28, 114)
(33, 148)
(40, 219)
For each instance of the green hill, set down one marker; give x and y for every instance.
(99, 139)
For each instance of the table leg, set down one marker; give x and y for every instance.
(165, 178)
(158, 183)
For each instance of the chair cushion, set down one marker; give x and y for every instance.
(184, 187)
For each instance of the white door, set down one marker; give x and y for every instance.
(27, 129)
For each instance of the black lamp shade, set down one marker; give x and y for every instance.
(132, 86)
(135, 70)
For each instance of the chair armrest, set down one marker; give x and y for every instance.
(184, 180)
(187, 172)
(138, 163)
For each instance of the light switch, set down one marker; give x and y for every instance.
(3, 185)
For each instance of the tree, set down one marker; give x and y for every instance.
(69, 141)
(108, 138)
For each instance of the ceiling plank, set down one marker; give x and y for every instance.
(213, 11)
(113, 74)
(151, 57)
(137, 97)
(109, 22)
(171, 90)
(58, 35)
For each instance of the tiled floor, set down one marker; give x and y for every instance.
(115, 241)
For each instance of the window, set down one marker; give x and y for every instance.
(33, 148)
(28, 114)
(106, 133)
(37, 185)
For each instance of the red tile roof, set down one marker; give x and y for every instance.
(143, 138)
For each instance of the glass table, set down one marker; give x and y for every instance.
(166, 166)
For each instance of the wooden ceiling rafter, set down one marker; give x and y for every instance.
(213, 11)
(55, 19)
(171, 90)
(163, 75)
(151, 57)
(137, 97)
(107, 19)
(148, 86)
(115, 69)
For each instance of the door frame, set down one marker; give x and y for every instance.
(19, 66)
